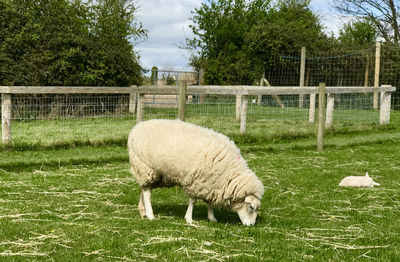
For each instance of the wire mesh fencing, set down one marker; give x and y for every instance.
(64, 118)
(375, 65)
(50, 120)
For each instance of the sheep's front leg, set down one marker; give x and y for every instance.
(142, 209)
(210, 214)
(147, 203)
(189, 211)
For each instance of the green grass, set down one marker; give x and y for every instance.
(268, 123)
(80, 203)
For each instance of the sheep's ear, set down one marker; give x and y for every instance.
(248, 199)
(366, 174)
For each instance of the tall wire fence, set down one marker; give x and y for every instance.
(62, 118)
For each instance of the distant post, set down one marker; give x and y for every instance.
(202, 98)
(377, 71)
(154, 75)
(302, 74)
(140, 108)
(238, 106)
(243, 117)
(6, 118)
(311, 112)
(384, 114)
(182, 99)
(321, 116)
(330, 104)
(132, 103)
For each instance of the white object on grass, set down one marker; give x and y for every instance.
(358, 181)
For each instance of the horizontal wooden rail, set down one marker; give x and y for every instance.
(65, 90)
(191, 90)
(257, 90)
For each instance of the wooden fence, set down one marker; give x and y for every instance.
(8, 91)
(137, 96)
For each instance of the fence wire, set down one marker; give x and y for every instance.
(65, 119)
(58, 119)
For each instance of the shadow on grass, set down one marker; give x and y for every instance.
(22, 146)
(32, 165)
(199, 213)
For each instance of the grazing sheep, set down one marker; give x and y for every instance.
(206, 164)
(358, 181)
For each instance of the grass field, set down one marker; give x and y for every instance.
(262, 121)
(78, 202)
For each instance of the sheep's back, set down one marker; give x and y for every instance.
(180, 150)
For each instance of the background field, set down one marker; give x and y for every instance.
(75, 200)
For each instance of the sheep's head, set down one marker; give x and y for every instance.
(247, 211)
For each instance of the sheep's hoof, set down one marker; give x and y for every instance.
(150, 217)
(212, 219)
(189, 220)
(142, 213)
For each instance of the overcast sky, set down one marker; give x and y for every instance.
(168, 25)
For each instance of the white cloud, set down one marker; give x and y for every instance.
(330, 18)
(168, 25)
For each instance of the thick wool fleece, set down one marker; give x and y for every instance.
(206, 164)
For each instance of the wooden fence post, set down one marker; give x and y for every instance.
(202, 98)
(330, 104)
(302, 74)
(384, 114)
(259, 97)
(243, 117)
(311, 112)
(377, 71)
(238, 107)
(6, 118)
(321, 116)
(132, 103)
(182, 99)
(140, 108)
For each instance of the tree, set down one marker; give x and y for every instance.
(154, 75)
(384, 14)
(288, 27)
(238, 40)
(219, 44)
(114, 29)
(359, 34)
(62, 42)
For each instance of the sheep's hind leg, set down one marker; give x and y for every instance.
(210, 214)
(142, 209)
(189, 211)
(147, 203)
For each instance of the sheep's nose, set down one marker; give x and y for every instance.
(248, 223)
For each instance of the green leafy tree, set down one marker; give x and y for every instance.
(361, 33)
(116, 62)
(288, 27)
(238, 40)
(219, 44)
(61, 42)
(154, 75)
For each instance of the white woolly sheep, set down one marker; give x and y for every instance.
(358, 181)
(206, 164)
